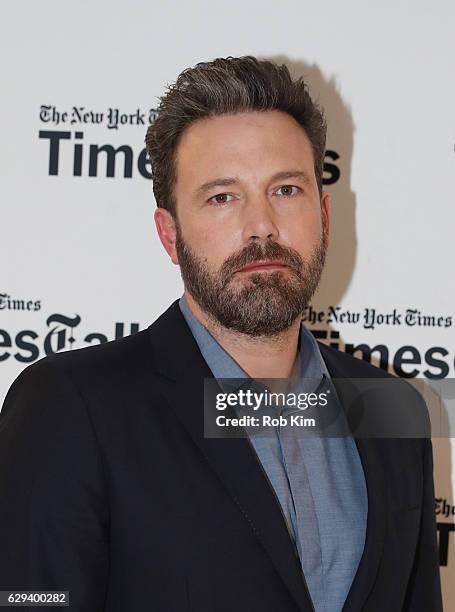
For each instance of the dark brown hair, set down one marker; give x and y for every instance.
(227, 86)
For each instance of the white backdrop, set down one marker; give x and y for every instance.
(81, 259)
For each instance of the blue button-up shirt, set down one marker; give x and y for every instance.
(318, 481)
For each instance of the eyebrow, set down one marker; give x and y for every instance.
(226, 181)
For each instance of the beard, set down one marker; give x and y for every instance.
(266, 303)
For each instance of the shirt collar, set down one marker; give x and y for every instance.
(222, 365)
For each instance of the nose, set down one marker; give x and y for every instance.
(259, 222)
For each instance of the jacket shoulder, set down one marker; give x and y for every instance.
(350, 365)
(385, 404)
(107, 362)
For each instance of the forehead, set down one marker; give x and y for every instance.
(254, 143)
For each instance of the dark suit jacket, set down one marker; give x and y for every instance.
(109, 489)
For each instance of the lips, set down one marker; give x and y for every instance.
(257, 266)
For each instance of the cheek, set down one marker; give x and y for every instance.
(211, 248)
(303, 233)
(211, 241)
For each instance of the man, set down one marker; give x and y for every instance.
(110, 488)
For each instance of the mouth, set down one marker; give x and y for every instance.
(264, 266)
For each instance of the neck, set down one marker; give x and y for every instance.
(260, 357)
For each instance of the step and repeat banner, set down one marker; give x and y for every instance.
(81, 260)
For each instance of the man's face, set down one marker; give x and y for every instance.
(251, 231)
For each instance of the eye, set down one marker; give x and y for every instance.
(288, 190)
(221, 198)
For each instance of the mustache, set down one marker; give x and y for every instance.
(256, 252)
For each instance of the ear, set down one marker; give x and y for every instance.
(326, 204)
(165, 226)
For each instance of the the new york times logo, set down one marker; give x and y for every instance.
(111, 118)
(443, 508)
(7, 302)
(446, 510)
(107, 160)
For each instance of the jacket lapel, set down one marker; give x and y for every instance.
(369, 453)
(182, 371)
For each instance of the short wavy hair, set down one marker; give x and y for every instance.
(227, 86)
